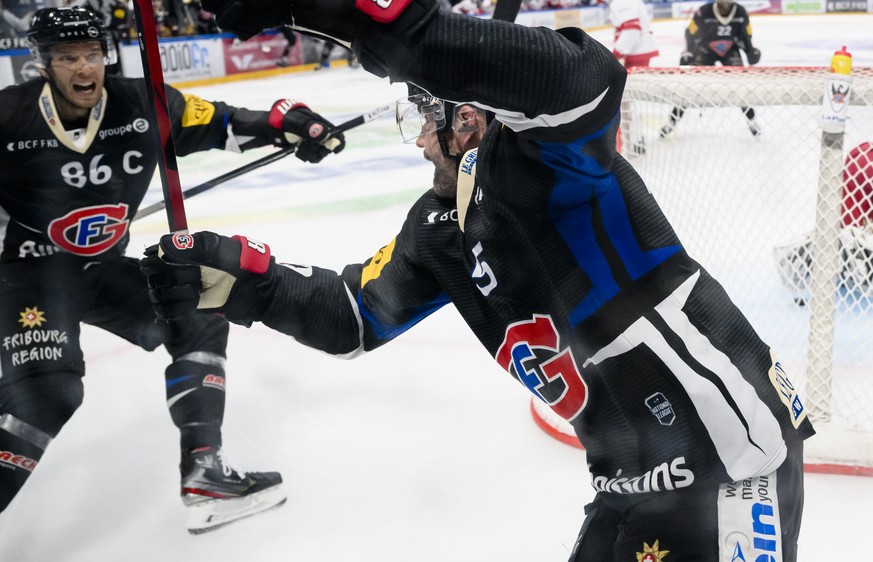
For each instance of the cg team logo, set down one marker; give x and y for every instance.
(531, 353)
(91, 230)
(183, 241)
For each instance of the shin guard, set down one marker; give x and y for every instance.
(21, 447)
(195, 398)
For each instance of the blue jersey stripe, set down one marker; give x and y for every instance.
(582, 188)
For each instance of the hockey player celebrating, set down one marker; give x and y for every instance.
(562, 264)
(716, 34)
(75, 162)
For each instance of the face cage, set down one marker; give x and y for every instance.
(42, 53)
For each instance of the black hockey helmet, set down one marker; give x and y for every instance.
(52, 26)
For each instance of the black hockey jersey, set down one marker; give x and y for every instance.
(566, 270)
(76, 192)
(710, 30)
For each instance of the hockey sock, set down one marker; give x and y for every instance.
(195, 398)
(21, 447)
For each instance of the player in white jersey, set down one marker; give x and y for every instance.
(634, 43)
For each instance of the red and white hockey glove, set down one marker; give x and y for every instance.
(208, 272)
(301, 126)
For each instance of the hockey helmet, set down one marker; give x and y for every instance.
(421, 113)
(53, 26)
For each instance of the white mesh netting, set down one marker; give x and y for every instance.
(781, 214)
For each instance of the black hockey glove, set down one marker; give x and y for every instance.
(686, 58)
(754, 55)
(210, 273)
(301, 126)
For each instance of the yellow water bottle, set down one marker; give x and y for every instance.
(841, 63)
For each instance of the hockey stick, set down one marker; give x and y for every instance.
(163, 134)
(506, 10)
(205, 186)
(269, 159)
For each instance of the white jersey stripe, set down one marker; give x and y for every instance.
(519, 122)
(741, 457)
(763, 428)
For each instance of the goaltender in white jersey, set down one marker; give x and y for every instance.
(634, 44)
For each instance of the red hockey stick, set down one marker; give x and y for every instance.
(162, 134)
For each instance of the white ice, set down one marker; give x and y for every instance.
(422, 451)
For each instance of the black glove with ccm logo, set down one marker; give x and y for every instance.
(208, 272)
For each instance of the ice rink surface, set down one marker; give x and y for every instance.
(422, 451)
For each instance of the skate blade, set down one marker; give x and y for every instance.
(213, 514)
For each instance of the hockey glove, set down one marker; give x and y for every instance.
(210, 273)
(686, 58)
(754, 55)
(301, 126)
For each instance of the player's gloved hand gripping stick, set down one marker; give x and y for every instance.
(210, 273)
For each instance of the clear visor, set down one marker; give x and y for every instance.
(45, 53)
(421, 114)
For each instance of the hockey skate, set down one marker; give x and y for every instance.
(667, 129)
(217, 494)
(754, 128)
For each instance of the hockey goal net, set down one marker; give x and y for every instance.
(782, 214)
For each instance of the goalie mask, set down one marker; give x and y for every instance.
(54, 26)
(421, 113)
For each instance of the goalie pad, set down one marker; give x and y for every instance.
(856, 259)
(855, 271)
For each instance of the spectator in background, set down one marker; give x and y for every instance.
(472, 7)
(15, 16)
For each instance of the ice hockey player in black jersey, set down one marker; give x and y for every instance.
(717, 33)
(76, 159)
(561, 262)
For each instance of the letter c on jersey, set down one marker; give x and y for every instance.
(551, 366)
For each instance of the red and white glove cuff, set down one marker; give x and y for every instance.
(254, 256)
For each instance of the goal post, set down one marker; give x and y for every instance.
(780, 213)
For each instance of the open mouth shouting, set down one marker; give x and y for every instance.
(85, 89)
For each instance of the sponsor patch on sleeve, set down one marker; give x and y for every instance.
(198, 111)
(374, 268)
(787, 393)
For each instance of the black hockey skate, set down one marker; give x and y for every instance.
(754, 128)
(218, 494)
